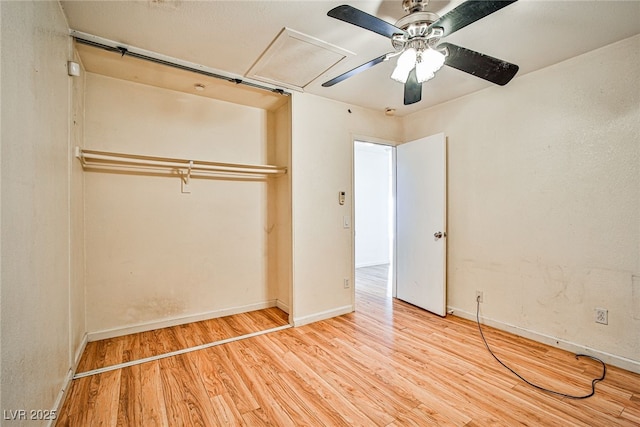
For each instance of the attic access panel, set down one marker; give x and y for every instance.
(293, 60)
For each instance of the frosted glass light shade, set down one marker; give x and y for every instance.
(405, 64)
(429, 61)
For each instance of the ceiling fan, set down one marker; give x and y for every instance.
(415, 39)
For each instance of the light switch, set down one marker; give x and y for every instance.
(346, 221)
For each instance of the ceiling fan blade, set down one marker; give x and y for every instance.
(362, 19)
(480, 65)
(412, 89)
(468, 13)
(355, 71)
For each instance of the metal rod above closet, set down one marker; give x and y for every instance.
(92, 158)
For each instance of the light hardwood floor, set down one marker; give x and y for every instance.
(103, 353)
(387, 364)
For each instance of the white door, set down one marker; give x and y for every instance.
(421, 223)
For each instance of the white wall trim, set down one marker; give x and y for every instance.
(304, 320)
(372, 264)
(282, 306)
(372, 139)
(611, 359)
(149, 326)
(57, 405)
(79, 351)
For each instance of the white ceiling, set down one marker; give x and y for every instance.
(230, 36)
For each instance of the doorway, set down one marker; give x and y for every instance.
(400, 204)
(374, 192)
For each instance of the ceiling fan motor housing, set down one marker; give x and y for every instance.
(411, 6)
(417, 18)
(418, 33)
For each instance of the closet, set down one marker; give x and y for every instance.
(187, 195)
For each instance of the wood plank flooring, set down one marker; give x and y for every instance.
(99, 354)
(387, 364)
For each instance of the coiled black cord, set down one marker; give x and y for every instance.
(593, 383)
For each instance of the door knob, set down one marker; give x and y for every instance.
(439, 234)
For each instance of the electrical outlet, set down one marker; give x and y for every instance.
(602, 316)
(479, 296)
(346, 283)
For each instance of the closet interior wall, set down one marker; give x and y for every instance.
(156, 256)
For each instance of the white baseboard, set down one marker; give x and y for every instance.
(62, 394)
(300, 321)
(57, 405)
(79, 351)
(371, 264)
(611, 359)
(282, 306)
(149, 326)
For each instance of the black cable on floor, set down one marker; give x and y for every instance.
(593, 383)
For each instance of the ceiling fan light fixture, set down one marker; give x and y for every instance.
(416, 42)
(405, 64)
(428, 62)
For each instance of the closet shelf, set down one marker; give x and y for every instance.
(106, 160)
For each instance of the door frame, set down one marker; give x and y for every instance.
(379, 141)
(374, 140)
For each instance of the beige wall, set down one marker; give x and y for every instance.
(544, 201)
(153, 254)
(322, 163)
(39, 273)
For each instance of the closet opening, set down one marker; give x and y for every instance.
(186, 210)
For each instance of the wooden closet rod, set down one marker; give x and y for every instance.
(94, 158)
